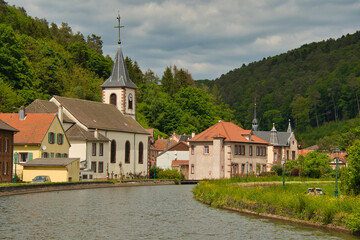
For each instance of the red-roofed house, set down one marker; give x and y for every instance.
(179, 151)
(6, 151)
(40, 135)
(225, 150)
(342, 159)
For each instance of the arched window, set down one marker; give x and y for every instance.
(113, 152)
(127, 152)
(113, 99)
(130, 102)
(141, 151)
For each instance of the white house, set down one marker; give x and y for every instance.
(178, 152)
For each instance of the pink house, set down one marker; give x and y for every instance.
(225, 150)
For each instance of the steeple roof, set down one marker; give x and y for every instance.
(119, 75)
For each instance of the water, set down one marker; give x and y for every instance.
(151, 212)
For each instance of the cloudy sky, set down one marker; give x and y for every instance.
(209, 38)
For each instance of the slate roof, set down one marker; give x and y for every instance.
(283, 137)
(7, 127)
(77, 133)
(53, 162)
(184, 138)
(229, 131)
(32, 129)
(43, 106)
(100, 115)
(119, 75)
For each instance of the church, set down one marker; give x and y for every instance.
(105, 136)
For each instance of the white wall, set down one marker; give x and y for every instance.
(164, 160)
(77, 150)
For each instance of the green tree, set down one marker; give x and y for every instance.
(316, 161)
(270, 117)
(300, 112)
(350, 176)
(167, 81)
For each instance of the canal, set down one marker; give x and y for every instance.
(150, 212)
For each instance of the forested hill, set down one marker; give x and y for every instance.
(314, 84)
(38, 60)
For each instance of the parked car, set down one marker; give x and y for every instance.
(315, 191)
(41, 179)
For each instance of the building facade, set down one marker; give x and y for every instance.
(6, 151)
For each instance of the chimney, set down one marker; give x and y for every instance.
(192, 134)
(96, 133)
(61, 114)
(22, 113)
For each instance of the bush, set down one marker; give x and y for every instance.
(294, 172)
(314, 173)
(169, 174)
(277, 169)
(156, 172)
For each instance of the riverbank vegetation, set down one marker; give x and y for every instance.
(290, 201)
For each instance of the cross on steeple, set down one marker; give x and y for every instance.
(119, 26)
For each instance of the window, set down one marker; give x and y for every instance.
(127, 152)
(192, 169)
(65, 155)
(113, 152)
(93, 166)
(6, 145)
(101, 167)
(293, 155)
(130, 102)
(94, 149)
(251, 168)
(113, 99)
(250, 150)
(101, 149)
(192, 150)
(236, 150)
(58, 155)
(141, 153)
(243, 168)
(85, 176)
(51, 137)
(23, 157)
(257, 151)
(60, 138)
(242, 150)
(287, 154)
(45, 155)
(206, 149)
(275, 156)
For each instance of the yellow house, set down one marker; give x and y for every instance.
(41, 136)
(58, 169)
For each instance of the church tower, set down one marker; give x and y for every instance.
(118, 89)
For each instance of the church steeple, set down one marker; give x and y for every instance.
(255, 121)
(274, 136)
(118, 89)
(289, 130)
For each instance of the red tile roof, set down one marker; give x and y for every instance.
(342, 156)
(180, 146)
(229, 131)
(164, 144)
(32, 129)
(179, 162)
(303, 152)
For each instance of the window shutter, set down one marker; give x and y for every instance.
(30, 156)
(58, 138)
(16, 157)
(49, 137)
(52, 155)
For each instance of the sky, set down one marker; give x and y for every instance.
(207, 37)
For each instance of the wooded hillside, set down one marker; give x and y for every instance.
(312, 85)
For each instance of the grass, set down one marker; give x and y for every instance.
(290, 201)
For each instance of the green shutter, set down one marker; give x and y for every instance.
(30, 156)
(16, 157)
(58, 138)
(52, 155)
(49, 137)
(43, 155)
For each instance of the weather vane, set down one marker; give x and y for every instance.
(119, 26)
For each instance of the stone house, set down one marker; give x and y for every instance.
(6, 151)
(226, 150)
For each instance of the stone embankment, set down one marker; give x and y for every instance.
(36, 188)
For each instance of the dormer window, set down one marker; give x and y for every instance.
(130, 103)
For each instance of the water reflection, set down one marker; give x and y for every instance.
(156, 212)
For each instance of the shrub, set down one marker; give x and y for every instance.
(277, 169)
(314, 173)
(169, 174)
(294, 172)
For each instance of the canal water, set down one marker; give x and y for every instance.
(150, 212)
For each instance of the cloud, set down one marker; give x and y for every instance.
(208, 38)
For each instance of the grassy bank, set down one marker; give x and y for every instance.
(289, 201)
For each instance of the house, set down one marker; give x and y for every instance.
(58, 169)
(341, 156)
(104, 135)
(182, 166)
(179, 151)
(225, 150)
(40, 135)
(6, 151)
(283, 145)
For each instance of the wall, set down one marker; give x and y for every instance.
(164, 160)
(56, 174)
(6, 156)
(78, 150)
(73, 171)
(97, 158)
(206, 166)
(122, 96)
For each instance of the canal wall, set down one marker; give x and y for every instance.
(36, 188)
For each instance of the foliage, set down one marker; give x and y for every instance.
(278, 169)
(350, 177)
(289, 201)
(165, 174)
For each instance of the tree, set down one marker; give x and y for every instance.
(300, 112)
(316, 162)
(270, 117)
(95, 43)
(167, 81)
(350, 176)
